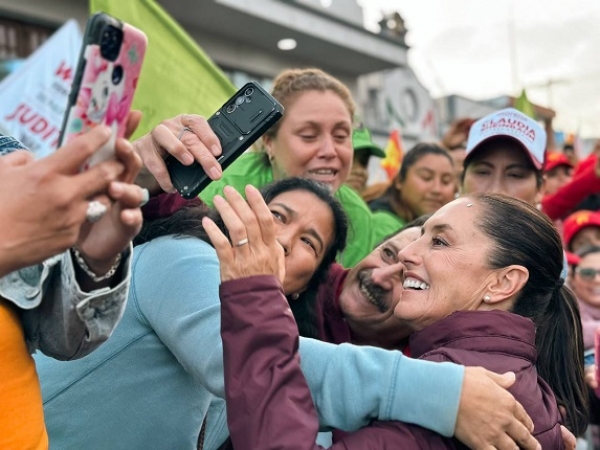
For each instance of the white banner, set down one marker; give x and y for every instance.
(33, 99)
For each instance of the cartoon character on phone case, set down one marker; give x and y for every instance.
(106, 92)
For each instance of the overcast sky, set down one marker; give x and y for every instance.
(464, 47)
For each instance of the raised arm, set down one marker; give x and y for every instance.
(265, 388)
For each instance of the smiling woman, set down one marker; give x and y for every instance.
(163, 364)
(425, 183)
(512, 313)
(314, 141)
(585, 281)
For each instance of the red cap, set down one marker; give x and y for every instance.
(577, 222)
(555, 159)
(572, 259)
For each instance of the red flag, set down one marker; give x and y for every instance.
(393, 154)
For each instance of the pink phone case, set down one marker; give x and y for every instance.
(105, 90)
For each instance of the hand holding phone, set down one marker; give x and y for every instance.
(105, 80)
(242, 119)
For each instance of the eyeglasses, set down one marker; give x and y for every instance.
(587, 273)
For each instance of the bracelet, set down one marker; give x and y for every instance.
(95, 278)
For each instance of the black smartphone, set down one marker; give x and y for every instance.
(242, 119)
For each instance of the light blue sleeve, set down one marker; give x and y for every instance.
(352, 385)
(175, 288)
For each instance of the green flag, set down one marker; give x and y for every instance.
(523, 104)
(177, 76)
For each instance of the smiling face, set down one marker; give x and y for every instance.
(373, 288)
(586, 286)
(429, 184)
(588, 236)
(502, 167)
(314, 139)
(304, 227)
(446, 268)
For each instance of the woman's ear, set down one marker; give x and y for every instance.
(397, 183)
(506, 284)
(268, 146)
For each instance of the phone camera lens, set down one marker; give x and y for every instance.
(231, 108)
(117, 74)
(248, 92)
(239, 101)
(110, 43)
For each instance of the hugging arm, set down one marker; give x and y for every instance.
(265, 389)
(352, 385)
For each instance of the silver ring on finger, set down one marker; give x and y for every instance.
(181, 133)
(95, 211)
(242, 242)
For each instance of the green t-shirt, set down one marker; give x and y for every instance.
(365, 228)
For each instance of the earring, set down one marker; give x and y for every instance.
(487, 298)
(295, 296)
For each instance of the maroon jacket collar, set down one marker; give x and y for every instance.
(511, 334)
(333, 326)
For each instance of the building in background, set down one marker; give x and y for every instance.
(243, 41)
(259, 42)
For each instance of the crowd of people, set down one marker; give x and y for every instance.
(292, 305)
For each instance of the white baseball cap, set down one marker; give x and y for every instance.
(513, 124)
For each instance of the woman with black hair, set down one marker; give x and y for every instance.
(478, 291)
(425, 183)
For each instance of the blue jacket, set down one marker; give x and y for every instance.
(9, 144)
(151, 384)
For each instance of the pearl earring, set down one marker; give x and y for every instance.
(487, 298)
(295, 296)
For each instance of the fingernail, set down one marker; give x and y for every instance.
(216, 151)
(145, 197)
(215, 173)
(187, 159)
(510, 375)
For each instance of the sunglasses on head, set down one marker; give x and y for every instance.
(587, 273)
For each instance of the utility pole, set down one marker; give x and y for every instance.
(512, 39)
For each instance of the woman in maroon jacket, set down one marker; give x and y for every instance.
(509, 309)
